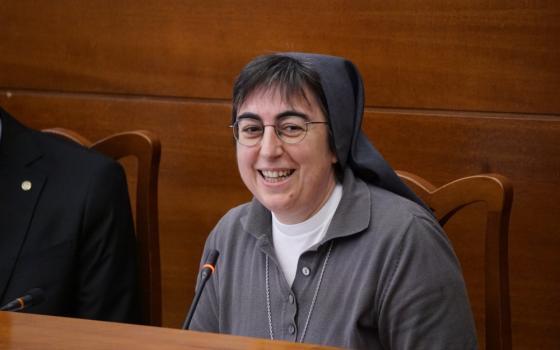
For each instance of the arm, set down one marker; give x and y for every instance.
(106, 271)
(424, 304)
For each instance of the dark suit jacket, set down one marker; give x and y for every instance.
(70, 234)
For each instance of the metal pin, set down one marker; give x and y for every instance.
(26, 185)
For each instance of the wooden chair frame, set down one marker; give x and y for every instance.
(497, 192)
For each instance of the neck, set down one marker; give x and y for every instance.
(292, 218)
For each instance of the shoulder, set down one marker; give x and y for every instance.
(394, 222)
(63, 151)
(405, 230)
(389, 210)
(231, 221)
(74, 165)
(22, 146)
(378, 208)
(80, 177)
(238, 229)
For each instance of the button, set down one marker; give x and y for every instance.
(292, 329)
(291, 299)
(26, 185)
(305, 270)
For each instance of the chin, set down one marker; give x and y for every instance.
(275, 205)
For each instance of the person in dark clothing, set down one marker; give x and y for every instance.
(65, 227)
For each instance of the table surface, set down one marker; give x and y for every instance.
(27, 331)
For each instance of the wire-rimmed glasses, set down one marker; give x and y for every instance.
(249, 131)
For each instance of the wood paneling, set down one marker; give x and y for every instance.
(434, 71)
(199, 183)
(468, 55)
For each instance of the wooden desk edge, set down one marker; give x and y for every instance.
(28, 331)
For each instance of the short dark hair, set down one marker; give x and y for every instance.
(288, 74)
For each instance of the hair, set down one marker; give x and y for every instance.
(287, 74)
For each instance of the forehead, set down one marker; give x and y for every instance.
(276, 99)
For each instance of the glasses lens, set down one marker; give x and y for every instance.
(291, 129)
(248, 131)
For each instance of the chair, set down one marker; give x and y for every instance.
(145, 146)
(497, 192)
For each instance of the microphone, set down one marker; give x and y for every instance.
(206, 271)
(32, 297)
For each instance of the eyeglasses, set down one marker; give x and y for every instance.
(292, 129)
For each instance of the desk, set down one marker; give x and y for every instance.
(26, 331)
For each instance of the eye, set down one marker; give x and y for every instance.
(291, 128)
(250, 129)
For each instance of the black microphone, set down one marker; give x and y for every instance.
(32, 297)
(206, 272)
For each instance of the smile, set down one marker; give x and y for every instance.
(276, 175)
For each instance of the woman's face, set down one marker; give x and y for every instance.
(291, 180)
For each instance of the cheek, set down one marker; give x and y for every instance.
(243, 170)
(244, 161)
(328, 156)
(241, 155)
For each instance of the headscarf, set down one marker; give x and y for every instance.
(344, 94)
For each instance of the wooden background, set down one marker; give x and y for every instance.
(452, 89)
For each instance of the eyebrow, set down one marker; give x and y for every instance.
(288, 113)
(291, 113)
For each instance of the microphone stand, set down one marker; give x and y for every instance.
(207, 270)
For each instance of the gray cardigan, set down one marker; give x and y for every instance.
(392, 280)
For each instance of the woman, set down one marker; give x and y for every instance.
(333, 249)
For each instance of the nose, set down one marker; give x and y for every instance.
(271, 145)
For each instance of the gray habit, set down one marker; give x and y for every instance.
(392, 280)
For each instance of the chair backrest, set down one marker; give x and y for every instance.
(497, 192)
(145, 147)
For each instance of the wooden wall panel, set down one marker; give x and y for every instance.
(199, 183)
(467, 55)
(434, 74)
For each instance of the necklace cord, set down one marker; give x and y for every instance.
(268, 300)
(313, 301)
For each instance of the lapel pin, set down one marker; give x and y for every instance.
(26, 185)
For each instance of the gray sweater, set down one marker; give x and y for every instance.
(391, 281)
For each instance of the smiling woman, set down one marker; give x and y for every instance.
(326, 202)
(291, 179)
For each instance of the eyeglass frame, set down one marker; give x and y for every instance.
(276, 132)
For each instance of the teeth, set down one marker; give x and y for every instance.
(276, 173)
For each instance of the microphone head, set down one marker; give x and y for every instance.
(36, 296)
(210, 264)
(213, 257)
